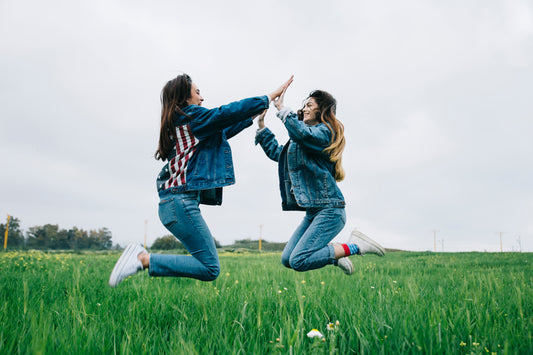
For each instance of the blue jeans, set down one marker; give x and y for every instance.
(180, 214)
(308, 247)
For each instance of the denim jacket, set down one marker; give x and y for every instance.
(201, 158)
(306, 175)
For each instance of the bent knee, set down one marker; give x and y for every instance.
(212, 273)
(298, 264)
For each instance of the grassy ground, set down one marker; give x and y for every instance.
(432, 303)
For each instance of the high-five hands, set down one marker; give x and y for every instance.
(277, 95)
(279, 101)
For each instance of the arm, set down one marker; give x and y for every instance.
(206, 122)
(315, 138)
(268, 142)
(236, 128)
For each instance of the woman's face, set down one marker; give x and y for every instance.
(196, 98)
(310, 112)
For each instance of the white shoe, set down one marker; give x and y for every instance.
(127, 264)
(345, 265)
(365, 244)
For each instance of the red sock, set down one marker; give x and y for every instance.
(346, 249)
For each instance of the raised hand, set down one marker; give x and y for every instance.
(274, 95)
(279, 101)
(261, 119)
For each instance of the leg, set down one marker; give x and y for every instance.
(312, 250)
(291, 244)
(181, 215)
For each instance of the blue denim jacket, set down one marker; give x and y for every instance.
(306, 175)
(201, 158)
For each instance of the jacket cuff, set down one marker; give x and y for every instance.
(283, 113)
(260, 134)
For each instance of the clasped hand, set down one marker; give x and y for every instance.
(276, 97)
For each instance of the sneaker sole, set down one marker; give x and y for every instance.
(117, 270)
(370, 241)
(351, 268)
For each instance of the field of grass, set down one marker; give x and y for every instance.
(420, 303)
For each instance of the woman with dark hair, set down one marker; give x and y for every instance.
(310, 164)
(193, 143)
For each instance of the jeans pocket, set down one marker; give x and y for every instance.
(167, 212)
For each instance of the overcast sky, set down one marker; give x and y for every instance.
(436, 99)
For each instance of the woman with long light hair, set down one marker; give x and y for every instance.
(309, 167)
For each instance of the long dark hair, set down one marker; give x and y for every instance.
(327, 106)
(173, 98)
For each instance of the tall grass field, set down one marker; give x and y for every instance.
(404, 303)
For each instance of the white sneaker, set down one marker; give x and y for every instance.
(345, 264)
(127, 264)
(365, 244)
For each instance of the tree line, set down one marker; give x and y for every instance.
(50, 236)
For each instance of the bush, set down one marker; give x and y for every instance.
(167, 242)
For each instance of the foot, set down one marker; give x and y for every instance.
(128, 264)
(345, 265)
(366, 244)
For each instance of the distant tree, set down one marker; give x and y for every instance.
(50, 236)
(105, 238)
(80, 239)
(167, 242)
(51, 232)
(42, 237)
(15, 237)
(71, 238)
(62, 240)
(100, 239)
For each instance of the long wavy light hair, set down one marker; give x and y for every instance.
(173, 99)
(327, 107)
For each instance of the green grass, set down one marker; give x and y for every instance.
(422, 303)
